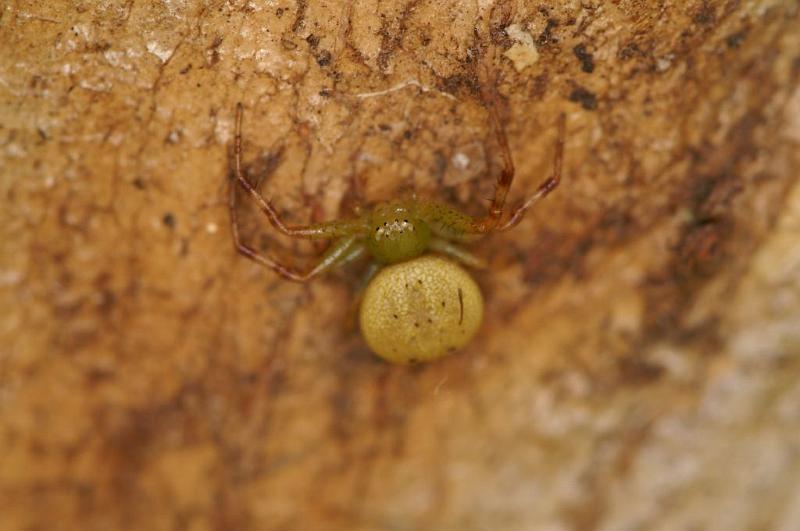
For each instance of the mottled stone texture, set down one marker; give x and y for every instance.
(638, 368)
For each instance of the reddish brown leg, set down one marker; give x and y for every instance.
(492, 101)
(332, 229)
(344, 250)
(548, 185)
(507, 171)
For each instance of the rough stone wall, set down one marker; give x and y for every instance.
(638, 367)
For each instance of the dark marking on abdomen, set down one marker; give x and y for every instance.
(460, 306)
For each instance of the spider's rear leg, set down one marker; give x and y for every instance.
(448, 248)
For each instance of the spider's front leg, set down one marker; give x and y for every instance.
(548, 185)
(348, 247)
(327, 230)
(492, 221)
(492, 101)
(344, 250)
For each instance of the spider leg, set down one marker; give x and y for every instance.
(354, 252)
(548, 185)
(449, 224)
(491, 100)
(344, 250)
(352, 312)
(331, 229)
(452, 250)
(506, 176)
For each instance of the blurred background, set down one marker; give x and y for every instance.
(638, 364)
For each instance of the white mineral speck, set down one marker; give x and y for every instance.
(460, 161)
(157, 49)
(523, 52)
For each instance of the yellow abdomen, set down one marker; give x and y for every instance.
(420, 310)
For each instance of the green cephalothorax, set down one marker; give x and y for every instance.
(396, 233)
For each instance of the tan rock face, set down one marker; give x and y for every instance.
(638, 364)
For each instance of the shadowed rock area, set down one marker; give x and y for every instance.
(639, 362)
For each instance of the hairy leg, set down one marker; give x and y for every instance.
(331, 229)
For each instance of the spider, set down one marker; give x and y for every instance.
(416, 306)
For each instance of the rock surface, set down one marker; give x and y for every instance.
(638, 367)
